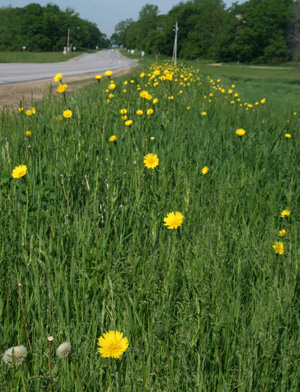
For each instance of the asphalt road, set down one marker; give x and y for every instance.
(88, 63)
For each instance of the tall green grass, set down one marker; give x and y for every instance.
(83, 233)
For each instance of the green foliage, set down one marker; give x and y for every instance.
(45, 29)
(257, 31)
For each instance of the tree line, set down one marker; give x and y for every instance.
(257, 31)
(45, 29)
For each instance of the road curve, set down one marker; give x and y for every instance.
(88, 63)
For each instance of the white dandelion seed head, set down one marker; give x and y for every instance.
(15, 355)
(64, 350)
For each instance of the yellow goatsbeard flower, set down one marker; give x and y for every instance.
(151, 161)
(205, 170)
(19, 171)
(112, 344)
(282, 233)
(285, 213)
(173, 220)
(57, 77)
(279, 248)
(240, 132)
(61, 88)
(67, 113)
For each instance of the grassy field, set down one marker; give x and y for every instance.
(280, 85)
(36, 57)
(207, 306)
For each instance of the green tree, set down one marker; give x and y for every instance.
(263, 23)
(45, 28)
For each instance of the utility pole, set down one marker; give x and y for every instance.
(174, 57)
(68, 42)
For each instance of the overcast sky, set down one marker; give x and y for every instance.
(106, 14)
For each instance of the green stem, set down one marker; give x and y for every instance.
(242, 163)
(23, 381)
(119, 375)
(109, 377)
(77, 374)
(49, 367)
(144, 378)
(169, 366)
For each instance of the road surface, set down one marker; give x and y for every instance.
(88, 63)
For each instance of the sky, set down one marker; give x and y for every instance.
(106, 14)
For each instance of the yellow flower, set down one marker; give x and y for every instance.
(151, 161)
(233, 86)
(28, 112)
(263, 100)
(125, 83)
(61, 88)
(282, 233)
(139, 112)
(279, 248)
(21, 109)
(124, 91)
(132, 81)
(57, 77)
(111, 96)
(285, 213)
(142, 75)
(203, 114)
(169, 77)
(295, 113)
(240, 132)
(112, 86)
(288, 135)
(108, 74)
(173, 220)
(188, 108)
(113, 139)
(144, 94)
(205, 170)
(123, 111)
(19, 171)
(124, 118)
(98, 77)
(155, 100)
(28, 133)
(171, 98)
(128, 123)
(59, 117)
(67, 113)
(150, 111)
(112, 344)
(33, 110)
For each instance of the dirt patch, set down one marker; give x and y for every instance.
(14, 95)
